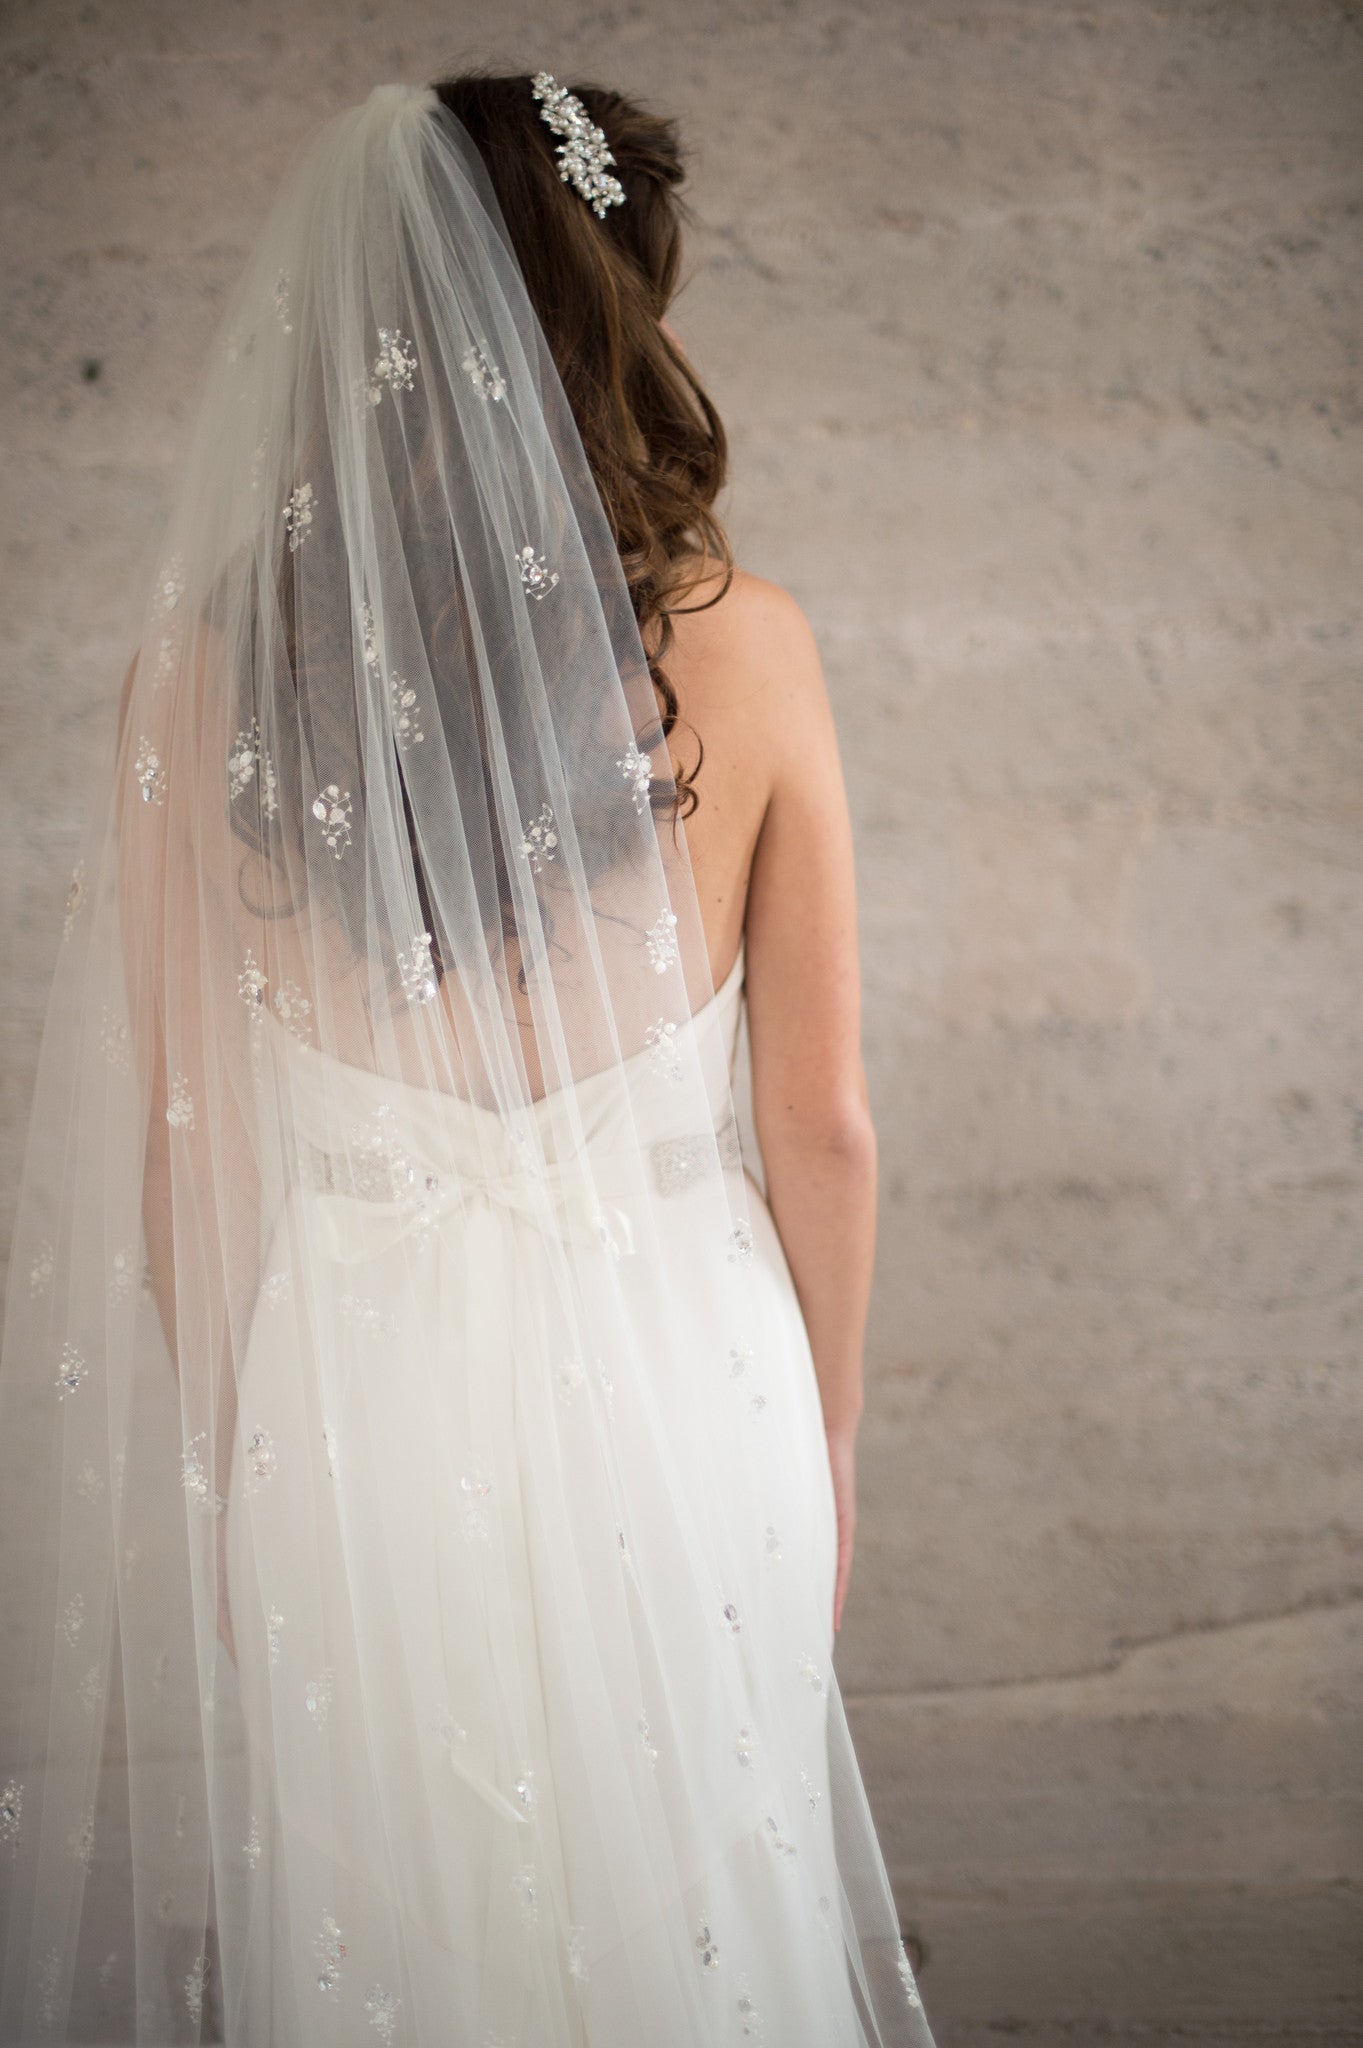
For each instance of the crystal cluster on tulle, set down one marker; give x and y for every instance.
(331, 1953)
(417, 974)
(11, 1810)
(253, 1848)
(660, 942)
(274, 1623)
(810, 1672)
(741, 1241)
(41, 1272)
(663, 1055)
(381, 2011)
(484, 375)
(569, 1376)
(743, 1746)
(72, 1372)
(281, 301)
(115, 1040)
(707, 1948)
(49, 1988)
(539, 841)
(90, 1692)
(194, 1987)
(170, 585)
(403, 710)
(297, 515)
(180, 1108)
(365, 1316)
(244, 758)
(261, 1456)
(169, 589)
(537, 579)
(646, 1742)
(73, 1618)
(473, 1514)
(317, 1698)
(781, 1844)
(82, 1842)
(906, 1978)
(332, 810)
(395, 365)
(194, 1474)
(251, 985)
(293, 1009)
(749, 2018)
(582, 152)
(637, 770)
(575, 1941)
(123, 1274)
(167, 655)
(150, 773)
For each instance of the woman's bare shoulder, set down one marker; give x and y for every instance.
(751, 603)
(746, 642)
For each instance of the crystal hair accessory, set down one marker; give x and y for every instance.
(583, 155)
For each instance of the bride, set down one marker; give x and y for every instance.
(434, 1455)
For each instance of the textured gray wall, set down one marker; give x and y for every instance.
(1037, 328)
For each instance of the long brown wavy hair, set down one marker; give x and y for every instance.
(600, 287)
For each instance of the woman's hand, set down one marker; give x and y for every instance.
(842, 1459)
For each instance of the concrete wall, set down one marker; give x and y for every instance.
(1037, 328)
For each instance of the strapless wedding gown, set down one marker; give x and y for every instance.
(516, 1775)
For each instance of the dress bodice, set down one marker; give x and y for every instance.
(383, 1139)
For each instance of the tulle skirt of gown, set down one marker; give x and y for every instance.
(518, 1770)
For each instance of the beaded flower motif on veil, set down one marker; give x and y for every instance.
(395, 365)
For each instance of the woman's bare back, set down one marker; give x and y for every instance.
(724, 665)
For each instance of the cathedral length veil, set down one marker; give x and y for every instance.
(399, 1644)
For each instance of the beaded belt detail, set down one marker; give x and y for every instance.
(678, 1163)
(377, 1169)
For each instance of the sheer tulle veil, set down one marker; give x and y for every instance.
(345, 1303)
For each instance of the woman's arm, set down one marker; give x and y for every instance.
(186, 1213)
(810, 1104)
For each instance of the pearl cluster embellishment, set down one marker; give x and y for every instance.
(537, 579)
(637, 770)
(484, 375)
(297, 515)
(582, 152)
(395, 365)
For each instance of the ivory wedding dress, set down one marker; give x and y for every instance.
(455, 1801)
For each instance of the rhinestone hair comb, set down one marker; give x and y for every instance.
(583, 155)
